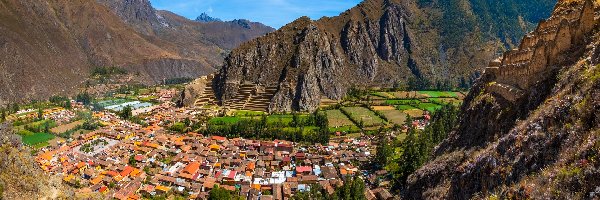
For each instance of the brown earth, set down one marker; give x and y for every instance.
(49, 47)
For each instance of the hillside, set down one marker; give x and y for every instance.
(529, 128)
(50, 46)
(20, 175)
(379, 43)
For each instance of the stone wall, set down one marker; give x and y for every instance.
(542, 49)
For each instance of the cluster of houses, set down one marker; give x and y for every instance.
(58, 114)
(123, 160)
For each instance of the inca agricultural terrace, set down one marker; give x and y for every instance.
(541, 50)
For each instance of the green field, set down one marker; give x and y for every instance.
(437, 94)
(284, 119)
(405, 107)
(394, 116)
(224, 120)
(368, 117)
(305, 131)
(444, 101)
(402, 102)
(431, 107)
(345, 129)
(248, 113)
(37, 139)
(336, 118)
(383, 95)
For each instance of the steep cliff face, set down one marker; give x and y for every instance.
(530, 126)
(378, 43)
(48, 47)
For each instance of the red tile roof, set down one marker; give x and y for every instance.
(192, 168)
(128, 169)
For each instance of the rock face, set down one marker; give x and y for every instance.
(378, 43)
(205, 18)
(48, 47)
(530, 125)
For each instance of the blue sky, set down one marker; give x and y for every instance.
(275, 13)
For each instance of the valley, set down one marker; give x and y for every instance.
(391, 99)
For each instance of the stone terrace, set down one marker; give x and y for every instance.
(541, 50)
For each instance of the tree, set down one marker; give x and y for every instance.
(84, 98)
(384, 152)
(132, 160)
(126, 113)
(40, 114)
(2, 115)
(218, 193)
(47, 127)
(15, 108)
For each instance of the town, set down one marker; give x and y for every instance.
(136, 143)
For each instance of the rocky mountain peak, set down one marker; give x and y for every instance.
(206, 18)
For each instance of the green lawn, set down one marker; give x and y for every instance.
(438, 94)
(368, 117)
(36, 139)
(431, 107)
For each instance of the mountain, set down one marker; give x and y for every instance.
(529, 128)
(379, 43)
(205, 18)
(49, 47)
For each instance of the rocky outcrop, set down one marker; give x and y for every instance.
(378, 43)
(529, 118)
(206, 18)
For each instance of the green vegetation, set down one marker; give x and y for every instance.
(84, 98)
(178, 127)
(218, 193)
(107, 71)
(414, 150)
(431, 107)
(345, 129)
(405, 107)
(403, 102)
(126, 113)
(337, 119)
(248, 113)
(363, 116)
(353, 189)
(37, 139)
(394, 116)
(298, 128)
(224, 120)
(175, 81)
(437, 94)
